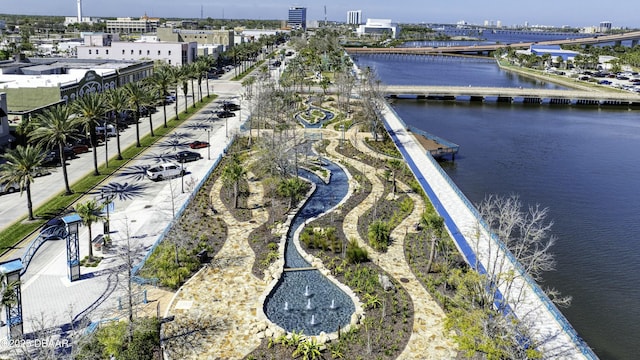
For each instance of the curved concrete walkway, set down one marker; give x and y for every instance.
(428, 339)
(226, 291)
(222, 298)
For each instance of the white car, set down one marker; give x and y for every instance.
(165, 171)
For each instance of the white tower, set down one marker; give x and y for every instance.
(79, 11)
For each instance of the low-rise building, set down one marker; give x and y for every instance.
(378, 27)
(33, 84)
(202, 37)
(127, 25)
(554, 51)
(172, 53)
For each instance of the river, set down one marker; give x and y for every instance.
(581, 163)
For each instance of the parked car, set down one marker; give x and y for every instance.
(227, 106)
(52, 157)
(225, 114)
(186, 156)
(40, 171)
(78, 148)
(198, 144)
(165, 171)
(110, 130)
(8, 188)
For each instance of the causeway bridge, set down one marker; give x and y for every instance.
(483, 251)
(522, 95)
(633, 36)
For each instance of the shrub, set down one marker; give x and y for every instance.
(379, 234)
(356, 254)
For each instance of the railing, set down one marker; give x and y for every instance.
(135, 269)
(54, 231)
(559, 317)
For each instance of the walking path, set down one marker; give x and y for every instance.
(428, 339)
(226, 292)
(550, 330)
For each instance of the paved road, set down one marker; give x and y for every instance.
(45, 188)
(143, 210)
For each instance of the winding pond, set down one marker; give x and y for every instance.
(306, 300)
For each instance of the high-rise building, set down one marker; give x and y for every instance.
(298, 17)
(605, 26)
(354, 17)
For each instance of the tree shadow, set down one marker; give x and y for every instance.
(176, 141)
(159, 158)
(123, 191)
(200, 126)
(135, 173)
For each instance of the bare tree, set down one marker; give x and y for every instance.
(487, 303)
(345, 82)
(372, 97)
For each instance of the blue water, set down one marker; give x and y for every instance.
(582, 163)
(445, 70)
(290, 292)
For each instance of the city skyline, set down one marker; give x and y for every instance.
(509, 13)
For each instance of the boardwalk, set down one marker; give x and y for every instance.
(550, 329)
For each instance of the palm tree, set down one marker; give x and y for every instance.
(174, 74)
(183, 79)
(202, 69)
(90, 110)
(192, 73)
(56, 128)
(161, 80)
(291, 188)
(116, 103)
(209, 61)
(232, 174)
(135, 97)
(90, 212)
(148, 101)
(19, 168)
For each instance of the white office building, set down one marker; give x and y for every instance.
(378, 27)
(172, 53)
(354, 17)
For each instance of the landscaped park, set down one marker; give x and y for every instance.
(312, 239)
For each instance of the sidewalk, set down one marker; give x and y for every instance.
(142, 213)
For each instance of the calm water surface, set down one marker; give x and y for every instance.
(582, 163)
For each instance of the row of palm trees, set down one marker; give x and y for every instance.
(61, 124)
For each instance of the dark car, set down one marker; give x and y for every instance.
(198, 144)
(230, 107)
(226, 114)
(52, 157)
(186, 156)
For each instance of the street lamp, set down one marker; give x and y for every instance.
(107, 200)
(182, 175)
(208, 143)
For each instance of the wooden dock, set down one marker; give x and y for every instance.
(437, 147)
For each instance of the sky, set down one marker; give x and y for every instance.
(621, 13)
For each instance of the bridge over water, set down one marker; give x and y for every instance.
(634, 36)
(525, 95)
